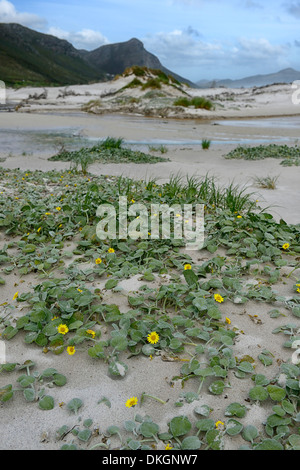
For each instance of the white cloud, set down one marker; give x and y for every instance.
(181, 47)
(9, 14)
(259, 49)
(85, 39)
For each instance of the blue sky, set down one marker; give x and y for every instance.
(198, 39)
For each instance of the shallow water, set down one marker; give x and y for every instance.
(45, 141)
(290, 122)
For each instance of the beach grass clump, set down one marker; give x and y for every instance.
(266, 182)
(197, 102)
(205, 144)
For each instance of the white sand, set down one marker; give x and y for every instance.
(23, 425)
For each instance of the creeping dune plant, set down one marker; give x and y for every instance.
(49, 221)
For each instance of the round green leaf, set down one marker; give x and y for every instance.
(29, 394)
(250, 433)
(179, 426)
(236, 409)
(191, 443)
(84, 434)
(258, 393)
(148, 429)
(74, 404)
(46, 403)
(217, 387)
(59, 379)
(233, 427)
(276, 393)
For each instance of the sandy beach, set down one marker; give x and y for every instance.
(33, 133)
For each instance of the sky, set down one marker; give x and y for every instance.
(197, 39)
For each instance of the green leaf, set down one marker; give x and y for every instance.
(111, 284)
(250, 433)
(258, 393)
(25, 380)
(117, 368)
(59, 379)
(6, 393)
(205, 424)
(217, 387)
(245, 366)
(233, 427)
(191, 443)
(148, 429)
(46, 403)
(179, 426)
(236, 409)
(106, 402)
(214, 439)
(74, 405)
(276, 393)
(84, 435)
(134, 445)
(119, 342)
(29, 394)
(269, 444)
(190, 277)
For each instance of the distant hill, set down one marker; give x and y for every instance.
(283, 76)
(115, 58)
(28, 57)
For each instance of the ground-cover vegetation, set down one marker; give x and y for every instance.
(289, 155)
(109, 150)
(43, 214)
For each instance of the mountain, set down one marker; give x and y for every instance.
(28, 57)
(283, 76)
(115, 58)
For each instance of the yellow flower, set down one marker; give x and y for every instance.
(54, 318)
(58, 208)
(98, 261)
(168, 447)
(298, 290)
(218, 298)
(91, 332)
(238, 216)
(47, 213)
(227, 320)
(71, 350)
(79, 290)
(187, 266)
(63, 329)
(153, 337)
(16, 295)
(219, 423)
(111, 250)
(39, 229)
(131, 402)
(285, 246)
